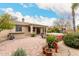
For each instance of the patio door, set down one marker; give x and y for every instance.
(38, 30)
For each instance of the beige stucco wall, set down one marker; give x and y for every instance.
(19, 36)
(3, 34)
(22, 34)
(25, 30)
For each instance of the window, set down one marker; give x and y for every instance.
(29, 28)
(18, 28)
(33, 29)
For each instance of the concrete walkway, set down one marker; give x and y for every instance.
(33, 47)
(66, 51)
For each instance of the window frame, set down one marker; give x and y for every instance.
(18, 28)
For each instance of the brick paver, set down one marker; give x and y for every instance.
(33, 47)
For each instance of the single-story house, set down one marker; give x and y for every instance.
(23, 29)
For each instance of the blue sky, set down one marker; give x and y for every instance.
(37, 13)
(30, 9)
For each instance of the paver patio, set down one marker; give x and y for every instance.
(33, 47)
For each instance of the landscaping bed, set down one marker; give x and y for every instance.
(72, 40)
(59, 36)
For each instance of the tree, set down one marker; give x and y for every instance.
(6, 22)
(62, 23)
(58, 23)
(74, 7)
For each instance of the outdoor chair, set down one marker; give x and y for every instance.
(43, 35)
(10, 36)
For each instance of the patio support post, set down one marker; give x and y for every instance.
(41, 30)
(35, 30)
(31, 28)
(46, 29)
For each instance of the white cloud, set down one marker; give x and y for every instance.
(59, 8)
(40, 20)
(25, 6)
(11, 12)
(36, 20)
(18, 14)
(7, 10)
(63, 9)
(77, 17)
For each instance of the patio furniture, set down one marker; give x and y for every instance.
(43, 35)
(10, 36)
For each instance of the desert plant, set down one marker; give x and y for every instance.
(19, 52)
(72, 40)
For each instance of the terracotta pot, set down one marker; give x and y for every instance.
(48, 52)
(44, 48)
(56, 46)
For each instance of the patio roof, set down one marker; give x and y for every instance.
(26, 23)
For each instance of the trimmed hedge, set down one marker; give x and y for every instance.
(72, 40)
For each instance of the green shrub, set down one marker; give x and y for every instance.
(72, 40)
(76, 35)
(50, 40)
(55, 29)
(19, 52)
(33, 34)
(49, 31)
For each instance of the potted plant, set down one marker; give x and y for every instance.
(33, 34)
(48, 50)
(44, 48)
(50, 40)
(55, 46)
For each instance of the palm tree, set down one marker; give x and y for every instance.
(74, 7)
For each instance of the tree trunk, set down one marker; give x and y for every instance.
(73, 15)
